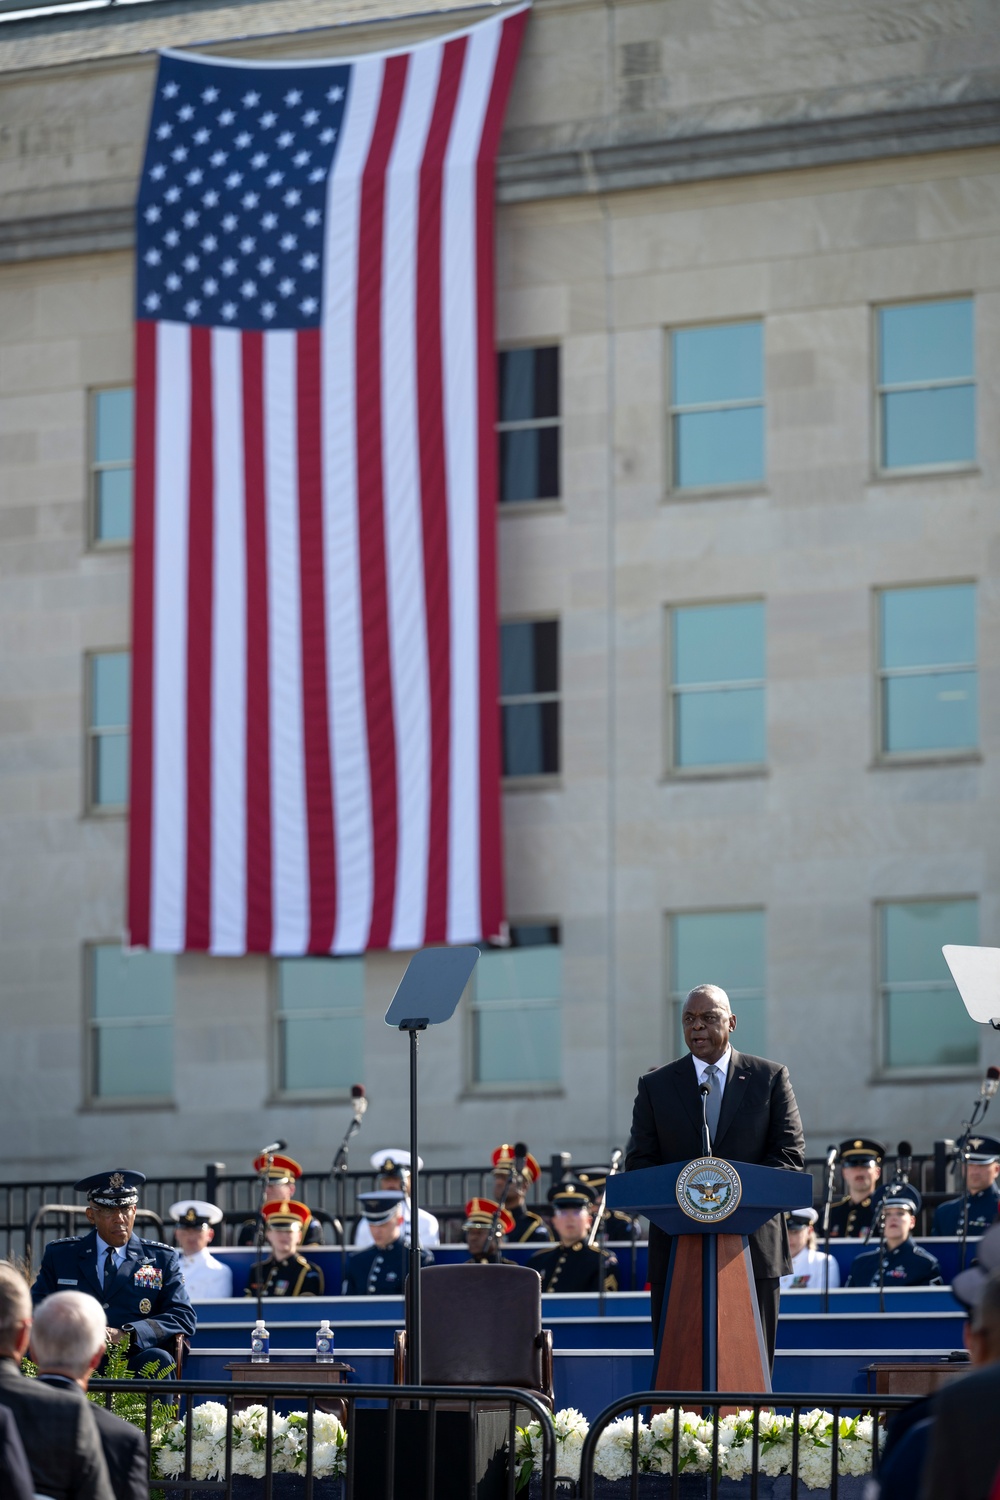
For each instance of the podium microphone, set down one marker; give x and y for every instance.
(704, 1090)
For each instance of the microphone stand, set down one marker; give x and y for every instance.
(704, 1090)
(979, 1109)
(495, 1221)
(831, 1167)
(259, 1236)
(338, 1171)
(881, 1256)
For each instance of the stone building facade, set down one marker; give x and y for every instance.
(749, 578)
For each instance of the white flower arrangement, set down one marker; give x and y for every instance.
(654, 1446)
(289, 1444)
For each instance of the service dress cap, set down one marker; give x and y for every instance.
(278, 1168)
(287, 1215)
(117, 1189)
(801, 1218)
(861, 1152)
(194, 1213)
(393, 1161)
(902, 1195)
(571, 1193)
(982, 1149)
(381, 1205)
(503, 1160)
(479, 1215)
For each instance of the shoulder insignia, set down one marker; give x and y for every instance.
(158, 1245)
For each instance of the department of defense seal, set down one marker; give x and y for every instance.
(708, 1189)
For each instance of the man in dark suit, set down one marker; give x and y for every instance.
(16, 1482)
(137, 1282)
(757, 1121)
(67, 1344)
(58, 1432)
(964, 1455)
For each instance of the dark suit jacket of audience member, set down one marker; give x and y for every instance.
(59, 1436)
(124, 1446)
(758, 1122)
(965, 1438)
(15, 1474)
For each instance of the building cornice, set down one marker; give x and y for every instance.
(621, 167)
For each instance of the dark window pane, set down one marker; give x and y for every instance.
(719, 643)
(719, 728)
(534, 935)
(113, 426)
(529, 657)
(530, 739)
(529, 464)
(113, 521)
(529, 384)
(928, 627)
(719, 447)
(933, 711)
(925, 341)
(929, 1028)
(725, 363)
(929, 427)
(914, 932)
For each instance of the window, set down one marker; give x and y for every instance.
(529, 697)
(717, 409)
(716, 698)
(927, 670)
(529, 424)
(924, 1023)
(516, 995)
(320, 1022)
(724, 948)
(130, 1010)
(111, 467)
(107, 730)
(926, 385)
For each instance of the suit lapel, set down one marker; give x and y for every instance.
(686, 1083)
(737, 1079)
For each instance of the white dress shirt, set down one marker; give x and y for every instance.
(701, 1068)
(808, 1270)
(206, 1276)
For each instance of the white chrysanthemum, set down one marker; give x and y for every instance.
(739, 1458)
(169, 1463)
(614, 1453)
(328, 1460)
(250, 1462)
(326, 1428)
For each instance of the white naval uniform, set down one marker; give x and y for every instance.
(204, 1276)
(430, 1230)
(807, 1271)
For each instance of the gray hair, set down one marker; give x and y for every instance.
(69, 1329)
(986, 1313)
(15, 1305)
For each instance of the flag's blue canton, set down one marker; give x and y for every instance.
(233, 194)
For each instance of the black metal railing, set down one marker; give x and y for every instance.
(758, 1413)
(402, 1442)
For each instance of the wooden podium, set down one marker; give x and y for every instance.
(710, 1336)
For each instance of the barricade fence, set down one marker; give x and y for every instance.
(236, 1441)
(333, 1197)
(734, 1444)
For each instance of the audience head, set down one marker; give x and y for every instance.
(15, 1311)
(383, 1209)
(69, 1335)
(194, 1222)
(572, 1202)
(861, 1166)
(286, 1224)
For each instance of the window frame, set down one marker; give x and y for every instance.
(675, 999)
(96, 467)
(672, 771)
(92, 1027)
(909, 471)
(92, 734)
(541, 503)
(675, 491)
(884, 1072)
(280, 1094)
(551, 1088)
(922, 757)
(534, 780)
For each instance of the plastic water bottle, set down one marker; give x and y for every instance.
(324, 1344)
(260, 1344)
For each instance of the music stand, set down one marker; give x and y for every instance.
(427, 994)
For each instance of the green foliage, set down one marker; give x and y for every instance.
(130, 1405)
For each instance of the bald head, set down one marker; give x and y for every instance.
(708, 1021)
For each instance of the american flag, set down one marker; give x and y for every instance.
(315, 737)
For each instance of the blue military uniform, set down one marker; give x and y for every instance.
(907, 1265)
(983, 1210)
(576, 1267)
(528, 1228)
(381, 1270)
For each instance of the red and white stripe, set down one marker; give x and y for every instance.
(315, 747)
